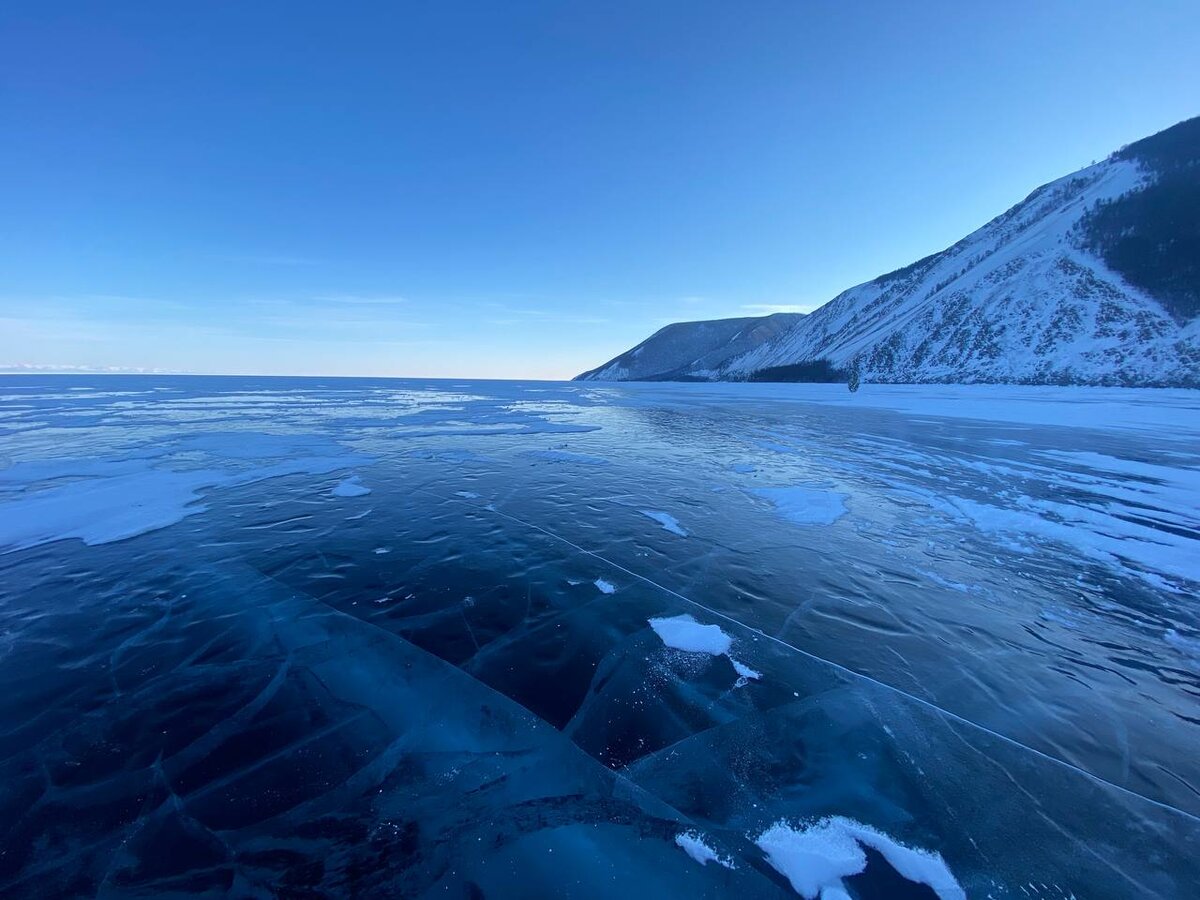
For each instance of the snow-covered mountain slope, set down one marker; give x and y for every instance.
(1088, 280)
(695, 349)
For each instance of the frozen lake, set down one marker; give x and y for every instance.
(311, 637)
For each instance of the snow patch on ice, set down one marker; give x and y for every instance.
(815, 858)
(351, 487)
(685, 633)
(605, 587)
(947, 583)
(103, 500)
(745, 673)
(805, 506)
(101, 510)
(1095, 534)
(666, 520)
(693, 845)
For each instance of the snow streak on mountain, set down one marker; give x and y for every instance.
(1092, 279)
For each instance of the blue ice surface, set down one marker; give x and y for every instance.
(932, 641)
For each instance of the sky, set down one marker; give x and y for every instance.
(520, 189)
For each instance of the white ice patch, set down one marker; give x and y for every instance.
(805, 506)
(947, 583)
(693, 845)
(816, 858)
(745, 673)
(1095, 534)
(666, 520)
(605, 587)
(101, 510)
(99, 501)
(467, 495)
(685, 633)
(350, 488)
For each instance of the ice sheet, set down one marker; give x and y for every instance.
(216, 678)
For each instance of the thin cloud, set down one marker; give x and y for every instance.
(65, 368)
(768, 308)
(362, 299)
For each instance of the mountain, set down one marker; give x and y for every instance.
(1091, 279)
(693, 350)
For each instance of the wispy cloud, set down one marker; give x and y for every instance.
(362, 299)
(507, 315)
(66, 368)
(763, 309)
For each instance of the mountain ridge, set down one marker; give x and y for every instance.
(690, 350)
(1093, 278)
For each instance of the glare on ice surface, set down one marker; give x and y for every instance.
(961, 634)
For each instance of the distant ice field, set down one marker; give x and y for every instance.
(431, 638)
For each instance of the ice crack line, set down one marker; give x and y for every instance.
(928, 704)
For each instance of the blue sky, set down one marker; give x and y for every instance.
(520, 189)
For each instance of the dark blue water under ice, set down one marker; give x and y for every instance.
(324, 638)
